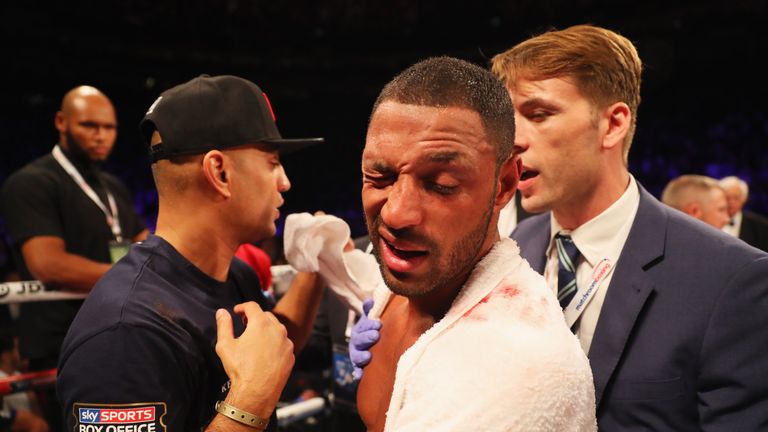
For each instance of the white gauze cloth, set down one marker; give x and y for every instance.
(316, 244)
(502, 359)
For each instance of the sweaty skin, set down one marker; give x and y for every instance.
(402, 331)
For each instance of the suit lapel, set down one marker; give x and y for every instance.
(628, 291)
(534, 242)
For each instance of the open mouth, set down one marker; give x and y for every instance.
(404, 254)
(402, 259)
(528, 174)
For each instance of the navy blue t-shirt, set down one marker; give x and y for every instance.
(141, 349)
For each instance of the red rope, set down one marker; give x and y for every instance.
(27, 381)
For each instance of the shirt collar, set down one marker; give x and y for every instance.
(597, 238)
(737, 218)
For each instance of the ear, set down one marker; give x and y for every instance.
(217, 172)
(506, 183)
(619, 119)
(693, 209)
(60, 122)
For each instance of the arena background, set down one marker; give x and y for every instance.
(323, 63)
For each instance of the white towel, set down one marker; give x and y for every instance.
(501, 359)
(316, 244)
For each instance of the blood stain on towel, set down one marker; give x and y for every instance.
(508, 290)
(477, 316)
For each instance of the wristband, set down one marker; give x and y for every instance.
(240, 416)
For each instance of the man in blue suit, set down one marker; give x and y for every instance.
(672, 313)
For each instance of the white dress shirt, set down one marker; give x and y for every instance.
(734, 228)
(602, 237)
(508, 218)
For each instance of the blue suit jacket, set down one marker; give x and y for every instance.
(681, 343)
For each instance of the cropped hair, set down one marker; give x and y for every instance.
(450, 82)
(603, 65)
(686, 189)
(727, 182)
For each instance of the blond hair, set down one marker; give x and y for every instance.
(604, 65)
(687, 189)
(727, 182)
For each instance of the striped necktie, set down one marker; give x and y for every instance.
(568, 256)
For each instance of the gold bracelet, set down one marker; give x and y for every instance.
(240, 416)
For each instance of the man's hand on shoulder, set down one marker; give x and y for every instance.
(365, 333)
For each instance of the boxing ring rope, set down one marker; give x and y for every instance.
(27, 381)
(286, 415)
(22, 292)
(33, 290)
(294, 412)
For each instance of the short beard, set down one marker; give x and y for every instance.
(77, 153)
(461, 259)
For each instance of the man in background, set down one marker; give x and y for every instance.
(698, 196)
(68, 221)
(746, 225)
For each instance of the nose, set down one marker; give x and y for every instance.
(522, 141)
(104, 133)
(283, 184)
(403, 206)
(99, 133)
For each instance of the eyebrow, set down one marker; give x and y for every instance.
(536, 102)
(443, 157)
(96, 122)
(378, 166)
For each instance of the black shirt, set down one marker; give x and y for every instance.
(41, 199)
(145, 339)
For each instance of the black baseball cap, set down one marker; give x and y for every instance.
(213, 112)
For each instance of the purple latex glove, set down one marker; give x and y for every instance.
(365, 333)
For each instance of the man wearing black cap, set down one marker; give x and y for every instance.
(144, 350)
